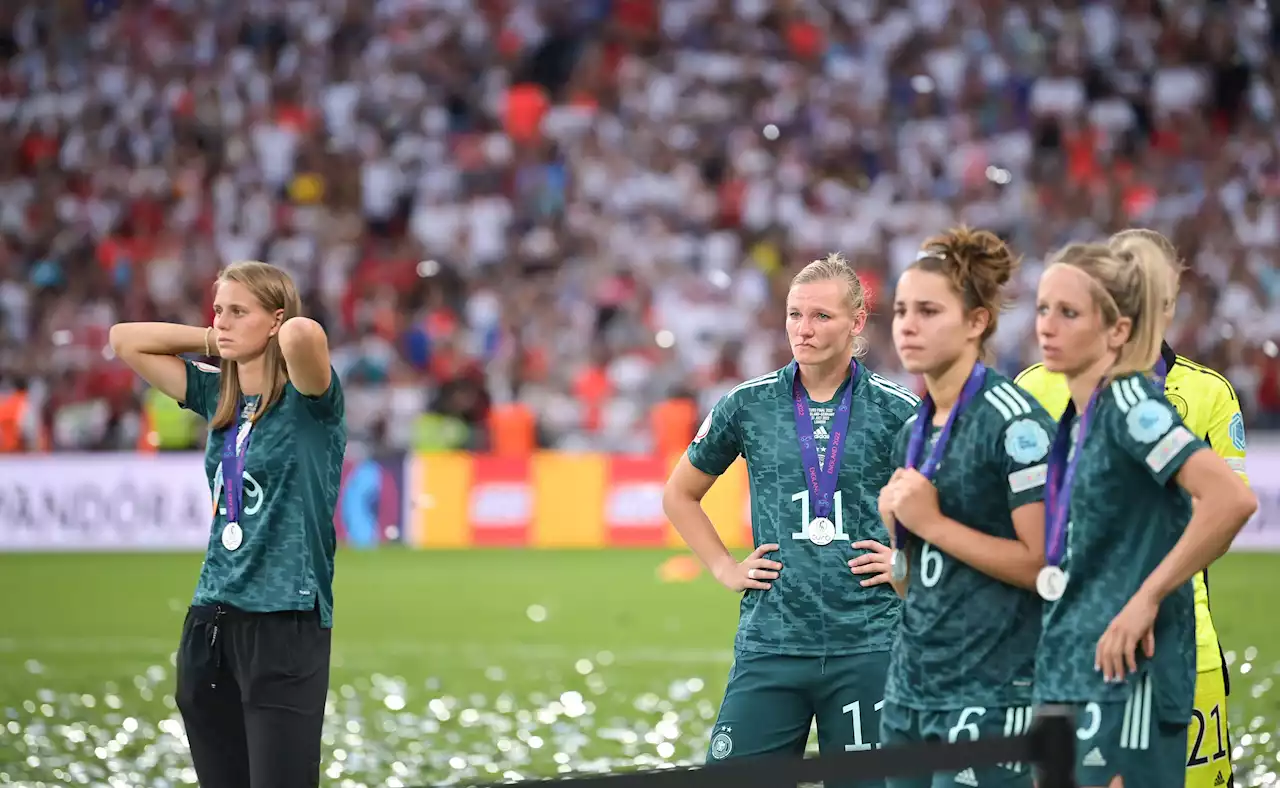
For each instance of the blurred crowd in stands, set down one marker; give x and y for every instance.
(569, 214)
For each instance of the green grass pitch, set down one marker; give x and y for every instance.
(453, 666)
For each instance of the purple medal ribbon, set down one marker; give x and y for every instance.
(233, 469)
(919, 430)
(821, 477)
(1061, 474)
(1161, 372)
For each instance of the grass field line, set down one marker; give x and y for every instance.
(367, 653)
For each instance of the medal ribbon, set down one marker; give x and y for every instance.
(821, 477)
(1061, 475)
(919, 430)
(1161, 372)
(235, 447)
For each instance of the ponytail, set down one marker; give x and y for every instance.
(1143, 298)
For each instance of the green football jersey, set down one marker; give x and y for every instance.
(1126, 514)
(968, 639)
(293, 468)
(816, 606)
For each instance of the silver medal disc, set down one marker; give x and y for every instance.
(1051, 583)
(898, 566)
(232, 536)
(821, 531)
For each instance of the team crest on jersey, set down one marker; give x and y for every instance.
(703, 430)
(721, 745)
(1148, 420)
(1179, 404)
(1026, 441)
(1237, 432)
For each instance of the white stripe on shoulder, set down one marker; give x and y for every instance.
(998, 404)
(1012, 393)
(1122, 397)
(1137, 389)
(203, 367)
(896, 391)
(763, 380)
(886, 383)
(1017, 406)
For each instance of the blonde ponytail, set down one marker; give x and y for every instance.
(1144, 298)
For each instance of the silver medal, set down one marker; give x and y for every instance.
(1051, 583)
(821, 531)
(898, 566)
(232, 536)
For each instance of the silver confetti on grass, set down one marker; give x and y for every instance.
(379, 730)
(385, 730)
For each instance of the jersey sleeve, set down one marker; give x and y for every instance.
(717, 443)
(203, 385)
(1225, 431)
(1023, 451)
(898, 457)
(329, 406)
(1147, 428)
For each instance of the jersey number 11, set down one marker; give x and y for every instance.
(837, 504)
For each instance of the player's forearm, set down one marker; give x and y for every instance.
(697, 530)
(161, 339)
(1009, 560)
(1213, 526)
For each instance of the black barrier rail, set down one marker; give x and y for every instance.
(1049, 746)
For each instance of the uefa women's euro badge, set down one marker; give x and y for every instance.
(1148, 421)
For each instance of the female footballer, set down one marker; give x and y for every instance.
(816, 436)
(967, 512)
(1122, 540)
(253, 661)
(1208, 406)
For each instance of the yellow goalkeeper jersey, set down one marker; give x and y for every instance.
(1208, 406)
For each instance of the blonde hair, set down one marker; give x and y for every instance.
(273, 290)
(1122, 240)
(835, 268)
(1130, 281)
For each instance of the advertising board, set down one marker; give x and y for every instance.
(100, 502)
(106, 502)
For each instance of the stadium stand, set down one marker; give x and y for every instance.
(576, 220)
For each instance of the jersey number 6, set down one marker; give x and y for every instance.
(930, 565)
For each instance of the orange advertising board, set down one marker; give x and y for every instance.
(556, 500)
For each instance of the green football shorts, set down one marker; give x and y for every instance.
(772, 700)
(900, 725)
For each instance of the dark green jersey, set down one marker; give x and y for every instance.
(816, 606)
(292, 471)
(1126, 514)
(966, 638)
